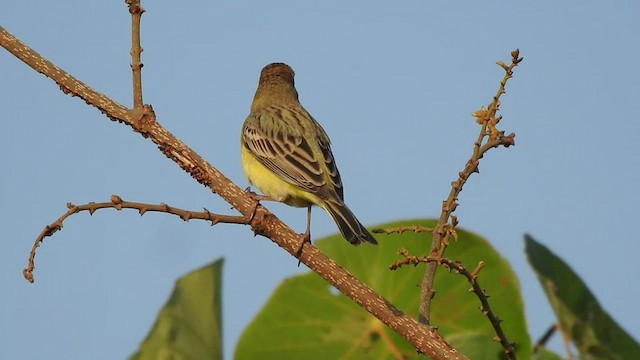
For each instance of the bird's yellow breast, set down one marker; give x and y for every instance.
(270, 184)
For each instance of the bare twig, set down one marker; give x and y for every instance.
(489, 137)
(545, 338)
(119, 204)
(426, 340)
(403, 229)
(136, 12)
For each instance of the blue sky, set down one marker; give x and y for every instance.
(393, 86)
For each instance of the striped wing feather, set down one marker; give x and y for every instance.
(275, 138)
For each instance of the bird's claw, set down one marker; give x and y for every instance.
(304, 238)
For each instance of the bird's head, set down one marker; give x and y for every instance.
(276, 87)
(277, 72)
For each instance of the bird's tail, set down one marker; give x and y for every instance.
(350, 228)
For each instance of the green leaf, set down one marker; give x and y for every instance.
(594, 333)
(475, 346)
(306, 318)
(188, 326)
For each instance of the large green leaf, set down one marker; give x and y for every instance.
(306, 318)
(188, 326)
(595, 334)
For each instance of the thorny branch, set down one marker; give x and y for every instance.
(119, 204)
(488, 138)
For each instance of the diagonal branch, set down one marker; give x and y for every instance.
(143, 121)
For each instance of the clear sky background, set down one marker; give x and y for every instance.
(394, 86)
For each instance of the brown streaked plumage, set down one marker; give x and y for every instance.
(287, 155)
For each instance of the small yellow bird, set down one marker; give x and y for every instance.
(287, 155)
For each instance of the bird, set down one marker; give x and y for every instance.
(286, 154)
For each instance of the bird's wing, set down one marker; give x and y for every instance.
(282, 148)
(330, 162)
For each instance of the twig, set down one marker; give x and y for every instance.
(403, 229)
(472, 278)
(426, 340)
(119, 204)
(494, 138)
(545, 337)
(136, 12)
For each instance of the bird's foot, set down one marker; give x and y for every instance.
(257, 197)
(304, 238)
